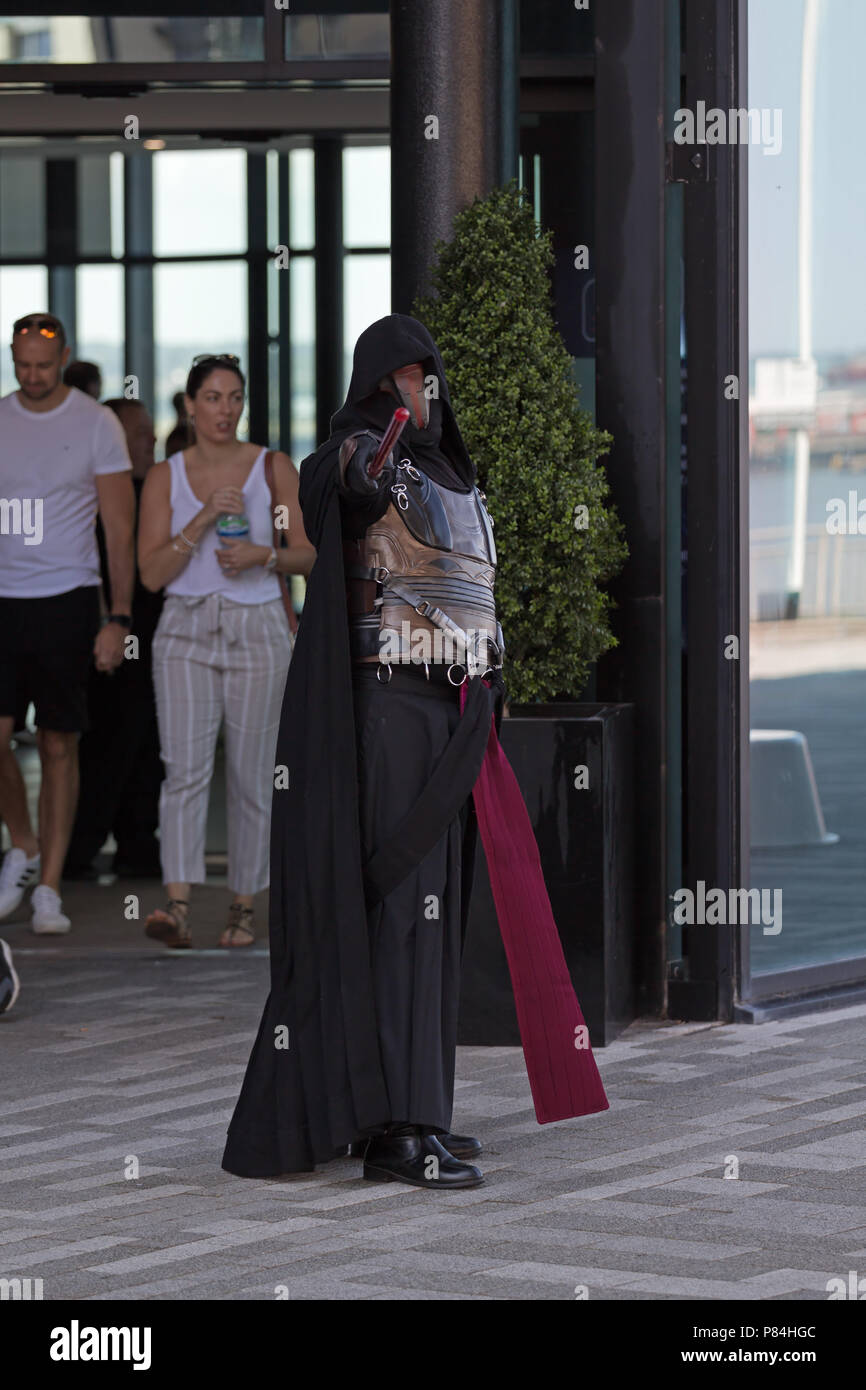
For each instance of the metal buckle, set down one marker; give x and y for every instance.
(399, 491)
(380, 669)
(456, 666)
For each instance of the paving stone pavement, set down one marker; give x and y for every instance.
(112, 1059)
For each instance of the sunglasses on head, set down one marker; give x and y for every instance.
(49, 328)
(215, 357)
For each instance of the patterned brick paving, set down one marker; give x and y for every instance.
(112, 1058)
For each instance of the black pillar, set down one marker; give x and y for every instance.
(454, 100)
(630, 402)
(328, 165)
(61, 241)
(138, 290)
(284, 291)
(716, 259)
(258, 374)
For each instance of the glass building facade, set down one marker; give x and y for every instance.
(208, 224)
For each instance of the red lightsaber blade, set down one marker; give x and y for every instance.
(392, 434)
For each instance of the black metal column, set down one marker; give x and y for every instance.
(454, 112)
(284, 291)
(138, 288)
(630, 402)
(61, 241)
(257, 297)
(328, 164)
(718, 453)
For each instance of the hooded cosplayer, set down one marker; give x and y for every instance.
(387, 752)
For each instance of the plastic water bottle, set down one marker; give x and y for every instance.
(233, 526)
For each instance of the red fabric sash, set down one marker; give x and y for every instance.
(563, 1075)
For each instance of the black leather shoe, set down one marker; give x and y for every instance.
(458, 1145)
(404, 1155)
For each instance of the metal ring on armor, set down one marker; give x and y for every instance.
(379, 669)
(456, 666)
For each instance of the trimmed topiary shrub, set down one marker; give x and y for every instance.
(558, 539)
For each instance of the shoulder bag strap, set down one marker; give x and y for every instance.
(278, 542)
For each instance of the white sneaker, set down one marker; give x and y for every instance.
(9, 985)
(48, 920)
(17, 875)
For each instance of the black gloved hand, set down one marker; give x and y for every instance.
(356, 454)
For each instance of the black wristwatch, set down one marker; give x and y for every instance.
(124, 619)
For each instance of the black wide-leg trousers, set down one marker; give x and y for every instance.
(415, 931)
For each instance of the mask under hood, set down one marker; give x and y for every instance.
(390, 343)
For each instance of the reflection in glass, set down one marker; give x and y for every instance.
(22, 206)
(23, 290)
(130, 39)
(199, 202)
(807, 492)
(197, 308)
(100, 333)
(366, 195)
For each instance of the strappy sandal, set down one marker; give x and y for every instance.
(239, 929)
(169, 924)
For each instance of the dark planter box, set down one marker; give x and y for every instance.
(586, 842)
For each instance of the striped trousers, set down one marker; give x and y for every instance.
(217, 662)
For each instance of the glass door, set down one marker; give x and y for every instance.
(807, 349)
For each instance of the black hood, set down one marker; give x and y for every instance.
(387, 344)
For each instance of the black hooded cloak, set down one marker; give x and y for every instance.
(316, 1077)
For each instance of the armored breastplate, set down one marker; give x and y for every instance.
(433, 560)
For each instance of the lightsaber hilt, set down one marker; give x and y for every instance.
(392, 434)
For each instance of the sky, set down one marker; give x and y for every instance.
(839, 195)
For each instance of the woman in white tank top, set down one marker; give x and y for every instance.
(222, 646)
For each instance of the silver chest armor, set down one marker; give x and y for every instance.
(433, 560)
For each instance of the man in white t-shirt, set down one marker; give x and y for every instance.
(63, 458)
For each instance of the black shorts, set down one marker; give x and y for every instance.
(46, 648)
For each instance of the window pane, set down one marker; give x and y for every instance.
(303, 338)
(301, 211)
(99, 290)
(197, 308)
(807, 348)
(22, 206)
(367, 290)
(22, 290)
(199, 202)
(337, 36)
(556, 31)
(278, 285)
(92, 39)
(367, 195)
(94, 204)
(116, 176)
